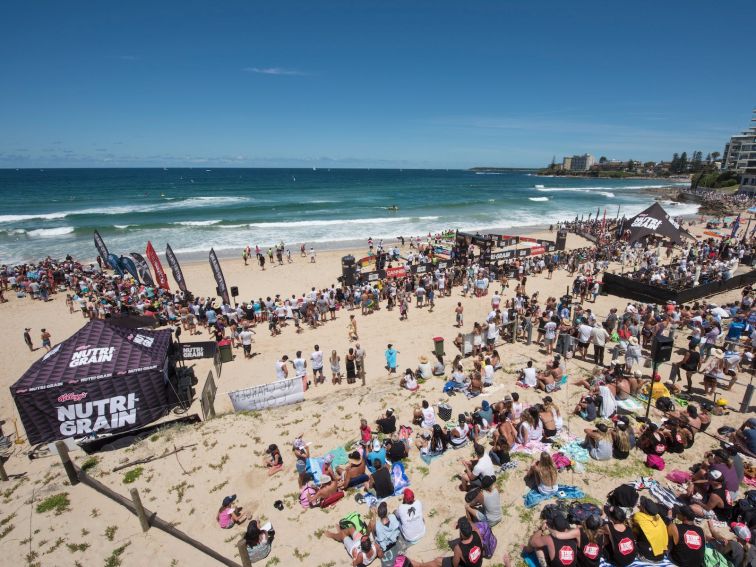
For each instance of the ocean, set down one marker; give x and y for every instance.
(53, 212)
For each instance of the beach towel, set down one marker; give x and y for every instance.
(630, 405)
(576, 452)
(399, 478)
(531, 448)
(533, 498)
(638, 563)
(315, 464)
(429, 457)
(662, 494)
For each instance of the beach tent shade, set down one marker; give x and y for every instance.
(104, 378)
(655, 220)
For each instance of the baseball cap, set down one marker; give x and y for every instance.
(715, 475)
(741, 531)
(751, 422)
(228, 500)
(408, 497)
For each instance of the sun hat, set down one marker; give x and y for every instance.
(424, 359)
(633, 340)
(328, 459)
(408, 497)
(325, 479)
(508, 398)
(717, 353)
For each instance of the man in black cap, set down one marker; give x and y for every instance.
(716, 498)
(687, 542)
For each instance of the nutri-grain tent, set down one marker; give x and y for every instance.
(103, 379)
(655, 220)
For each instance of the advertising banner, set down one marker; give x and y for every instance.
(129, 265)
(220, 281)
(152, 256)
(173, 262)
(280, 393)
(102, 250)
(191, 351)
(143, 269)
(114, 263)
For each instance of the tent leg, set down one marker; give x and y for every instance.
(68, 465)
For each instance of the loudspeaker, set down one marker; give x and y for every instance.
(349, 275)
(561, 240)
(661, 349)
(347, 261)
(234, 291)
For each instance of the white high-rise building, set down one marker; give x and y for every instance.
(582, 163)
(740, 153)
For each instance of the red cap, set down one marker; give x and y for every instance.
(409, 496)
(657, 377)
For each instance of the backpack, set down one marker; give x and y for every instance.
(712, 558)
(581, 511)
(665, 404)
(353, 520)
(745, 509)
(487, 538)
(655, 462)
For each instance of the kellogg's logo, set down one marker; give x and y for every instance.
(71, 397)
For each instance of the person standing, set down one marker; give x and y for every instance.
(459, 312)
(312, 255)
(352, 329)
(300, 369)
(282, 371)
(359, 361)
(316, 357)
(28, 339)
(46, 339)
(391, 353)
(246, 341)
(599, 336)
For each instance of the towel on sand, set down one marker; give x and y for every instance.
(533, 498)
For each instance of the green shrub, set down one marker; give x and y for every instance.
(58, 503)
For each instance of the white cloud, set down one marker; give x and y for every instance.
(280, 71)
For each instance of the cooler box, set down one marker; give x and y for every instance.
(444, 412)
(226, 352)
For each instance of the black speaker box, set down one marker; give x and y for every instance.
(661, 349)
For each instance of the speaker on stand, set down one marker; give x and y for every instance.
(561, 239)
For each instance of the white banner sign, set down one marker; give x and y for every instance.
(280, 393)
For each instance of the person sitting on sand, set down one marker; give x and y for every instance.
(378, 453)
(477, 468)
(424, 416)
(361, 548)
(484, 505)
(586, 408)
(543, 475)
(352, 471)
(318, 494)
(387, 423)
(505, 429)
(549, 379)
(409, 381)
(410, 516)
(259, 540)
(380, 482)
(384, 526)
(599, 442)
(745, 437)
(438, 366)
(556, 541)
(424, 370)
(396, 449)
(528, 376)
(273, 460)
(434, 443)
(229, 515)
(621, 441)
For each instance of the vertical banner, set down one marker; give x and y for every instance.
(219, 279)
(99, 243)
(178, 275)
(152, 256)
(115, 264)
(129, 265)
(143, 269)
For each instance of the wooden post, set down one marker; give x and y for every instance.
(3, 474)
(243, 555)
(65, 458)
(143, 519)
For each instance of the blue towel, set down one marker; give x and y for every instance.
(640, 563)
(533, 498)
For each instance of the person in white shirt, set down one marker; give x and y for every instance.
(282, 371)
(316, 357)
(584, 338)
(410, 516)
(300, 369)
(488, 373)
(427, 416)
(529, 375)
(492, 331)
(476, 469)
(246, 341)
(599, 336)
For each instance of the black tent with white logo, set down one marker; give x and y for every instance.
(102, 379)
(655, 220)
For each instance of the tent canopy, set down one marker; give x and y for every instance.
(655, 220)
(98, 350)
(102, 379)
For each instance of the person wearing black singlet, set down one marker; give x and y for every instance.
(620, 548)
(560, 546)
(468, 552)
(716, 498)
(591, 542)
(687, 543)
(380, 481)
(689, 364)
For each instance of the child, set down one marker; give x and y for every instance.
(366, 435)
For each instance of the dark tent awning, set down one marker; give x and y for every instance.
(97, 351)
(655, 220)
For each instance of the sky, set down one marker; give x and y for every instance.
(355, 83)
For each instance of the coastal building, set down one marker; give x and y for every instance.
(582, 163)
(567, 164)
(740, 152)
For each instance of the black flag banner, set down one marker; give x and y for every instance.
(219, 279)
(178, 275)
(143, 268)
(129, 265)
(102, 250)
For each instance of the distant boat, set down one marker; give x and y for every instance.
(539, 187)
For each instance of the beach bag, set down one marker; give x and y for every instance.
(304, 495)
(444, 412)
(678, 477)
(332, 499)
(655, 462)
(581, 511)
(745, 509)
(487, 538)
(561, 461)
(353, 520)
(405, 432)
(665, 404)
(712, 558)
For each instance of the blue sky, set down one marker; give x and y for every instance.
(369, 84)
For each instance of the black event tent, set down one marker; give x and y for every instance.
(655, 220)
(104, 378)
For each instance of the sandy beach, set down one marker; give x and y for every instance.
(226, 456)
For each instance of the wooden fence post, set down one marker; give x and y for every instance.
(65, 458)
(243, 555)
(3, 474)
(143, 519)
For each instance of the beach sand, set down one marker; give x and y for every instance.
(186, 489)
